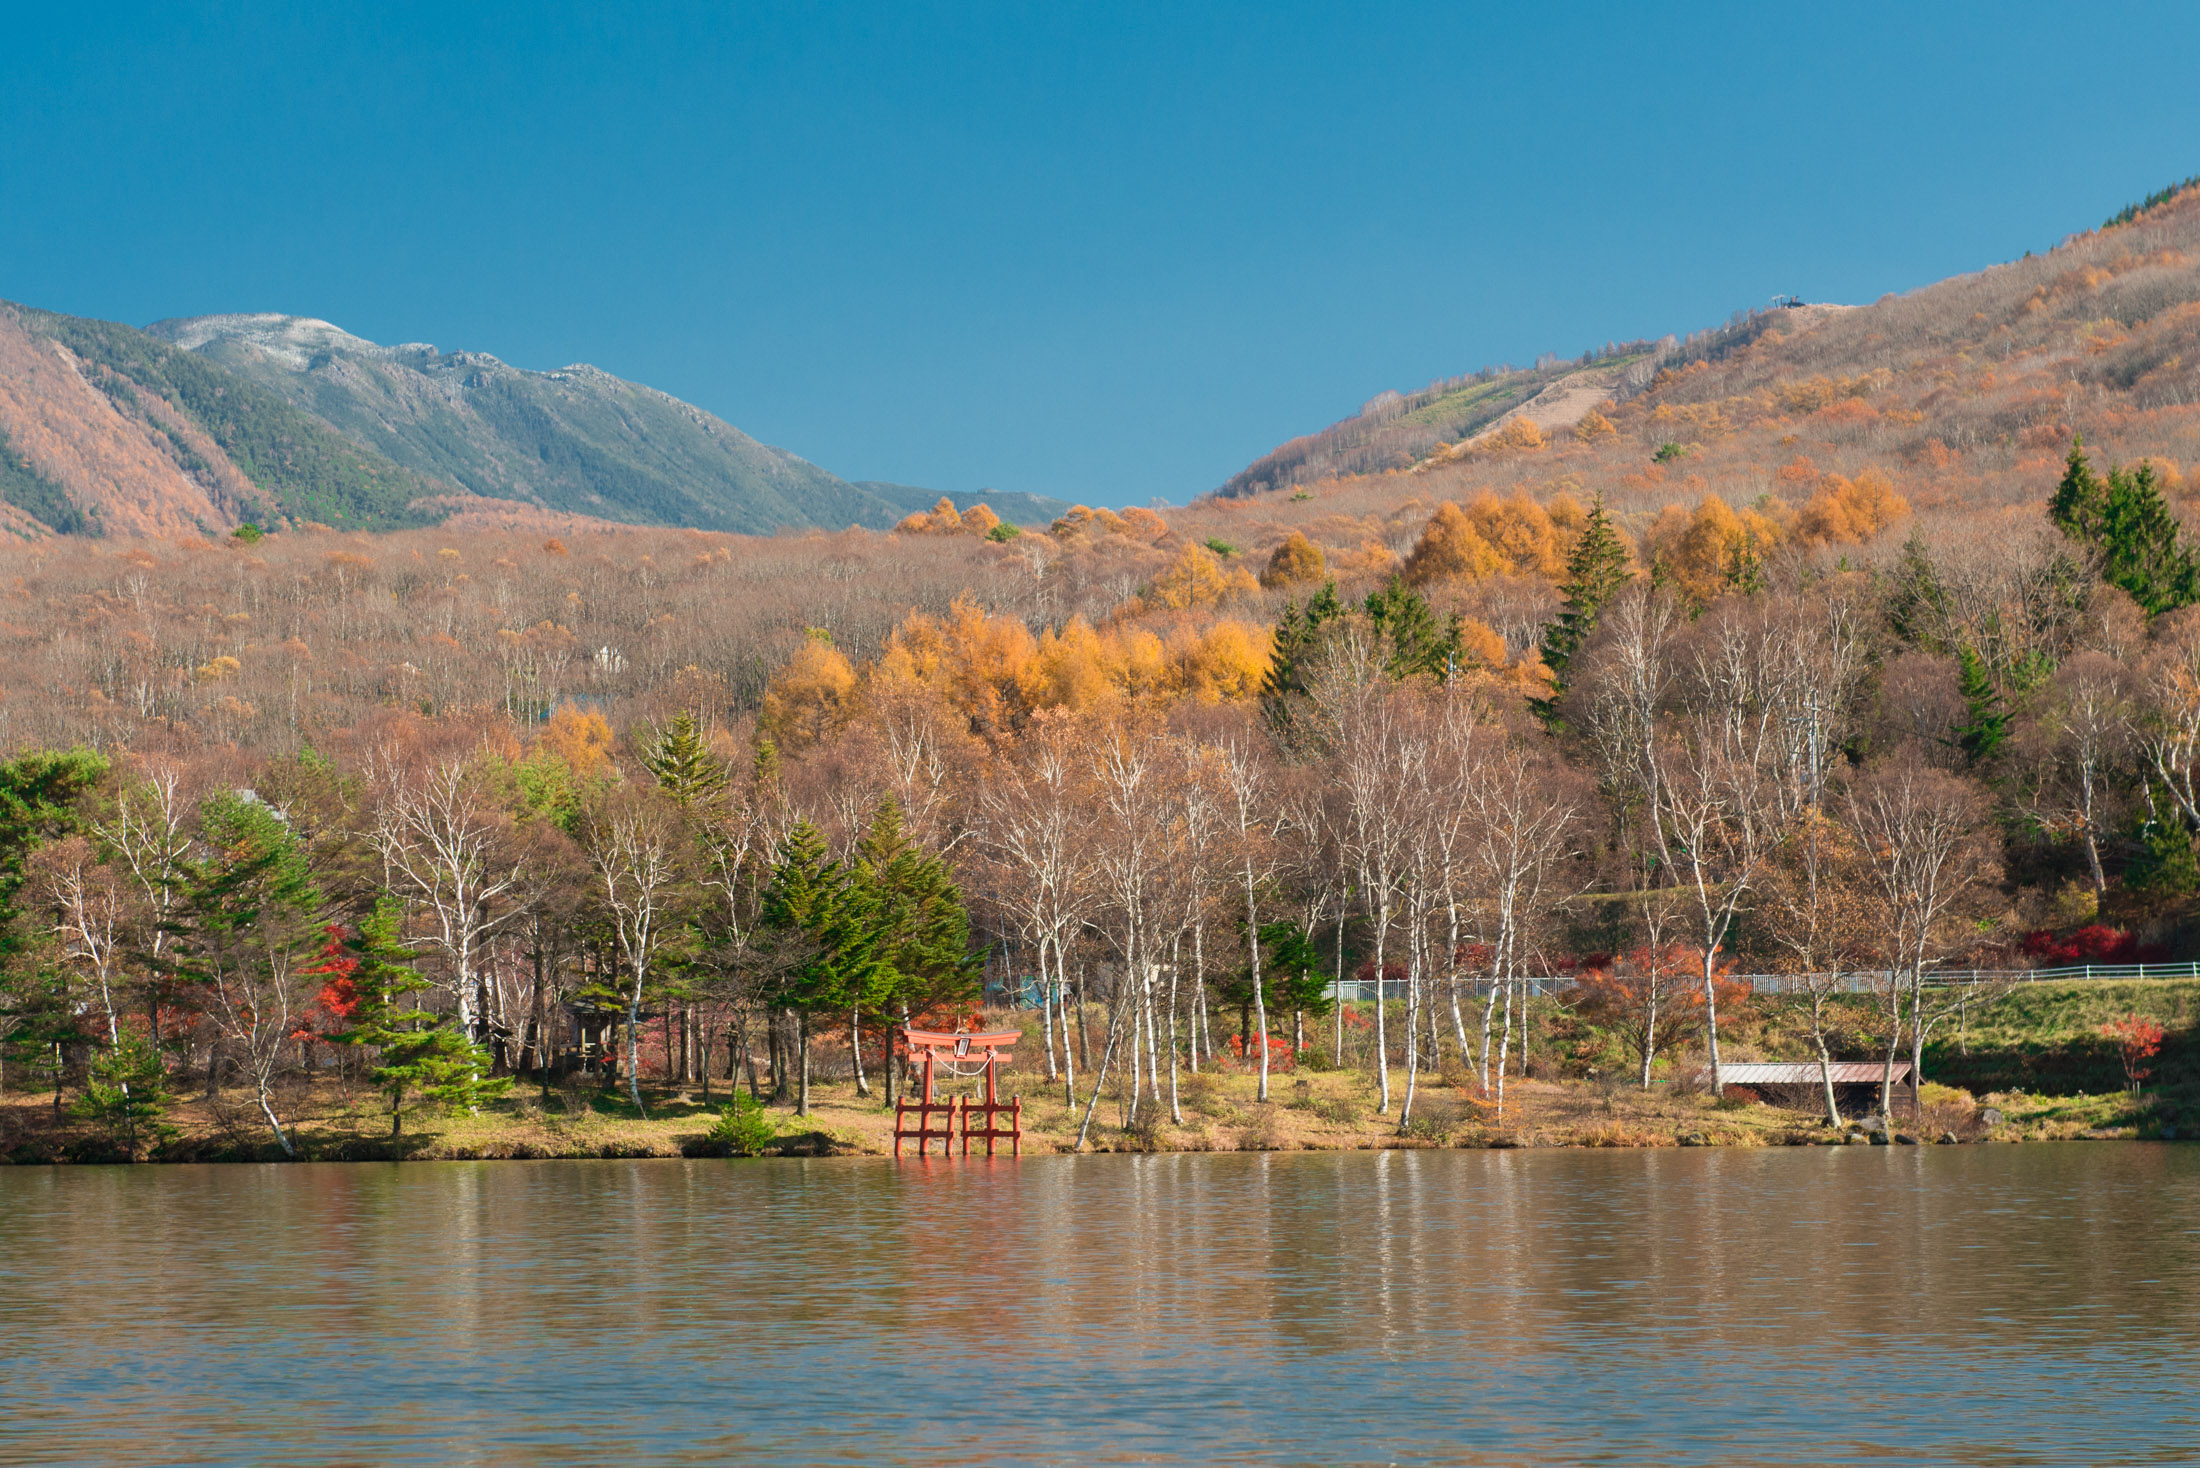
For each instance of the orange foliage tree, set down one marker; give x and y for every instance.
(1295, 562)
(1450, 548)
(1849, 511)
(814, 694)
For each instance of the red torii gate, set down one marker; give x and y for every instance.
(988, 1050)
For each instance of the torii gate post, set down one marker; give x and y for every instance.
(991, 1051)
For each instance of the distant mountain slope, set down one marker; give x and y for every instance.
(1949, 409)
(576, 440)
(104, 428)
(1395, 430)
(1012, 505)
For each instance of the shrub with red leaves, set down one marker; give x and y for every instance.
(2138, 1040)
(2093, 943)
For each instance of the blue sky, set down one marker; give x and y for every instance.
(1103, 252)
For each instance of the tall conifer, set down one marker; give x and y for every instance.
(684, 765)
(827, 916)
(2131, 530)
(923, 927)
(415, 1050)
(1985, 726)
(1414, 643)
(1596, 570)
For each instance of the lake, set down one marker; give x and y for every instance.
(2004, 1305)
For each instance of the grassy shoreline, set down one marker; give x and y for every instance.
(2036, 1057)
(1327, 1111)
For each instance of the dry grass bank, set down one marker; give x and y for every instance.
(1320, 1111)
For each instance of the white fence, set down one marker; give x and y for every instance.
(1860, 981)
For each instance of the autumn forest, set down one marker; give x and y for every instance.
(1711, 705)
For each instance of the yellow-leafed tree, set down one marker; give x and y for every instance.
(1295, 562)
(1702, 550)
(1451, 548)
(814, 694)
(581, 737)
(1197, 578)
(1521, 532)
(1846, 511)
(1593, 426)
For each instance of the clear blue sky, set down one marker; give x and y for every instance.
(1103, 252)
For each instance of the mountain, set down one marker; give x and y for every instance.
(1395, 430)
(575, 439)
(1012, 505)
(104, 429)
(196, 425)
(1958, 400)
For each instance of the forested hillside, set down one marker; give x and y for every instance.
(1395, 430)
(197, 425)
(1961, 397)
(1834, 649)
(111, 430)
(576, 440)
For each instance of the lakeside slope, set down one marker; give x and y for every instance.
(2035, 1058)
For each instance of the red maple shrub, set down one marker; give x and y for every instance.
(2138, 1040)
(2093, 943)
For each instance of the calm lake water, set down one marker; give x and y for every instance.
(2003, 1305)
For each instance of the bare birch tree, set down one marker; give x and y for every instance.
(1922, 832)
(634, 845)
(1247, 809)
(447, 845)
(1034, 826)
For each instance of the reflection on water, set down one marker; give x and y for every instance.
(1972, 1305)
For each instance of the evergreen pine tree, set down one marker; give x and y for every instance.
(40, 800)
(1596, 571)
(127, 1095)
(1745, 568)
(826, 917)
(684, 765)
(1917, 602)
(765, 768)
(2144, 552)
(40, 1022)
(1986, 724)
(2080, 498)
(2165, 860)
(923, 928)
(1293, 962)
(1414, 643)
(2131, 531)
(1298, 634)
(39, 791)
(415, 1050)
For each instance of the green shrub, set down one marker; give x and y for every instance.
(1668, 452)
(247, 532)
(127, 1096)
(1431, 1124)
(1221, 547)
(1339, 1109)
(743, 1128)
(1003, 533)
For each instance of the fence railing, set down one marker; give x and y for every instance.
(1859, 981)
